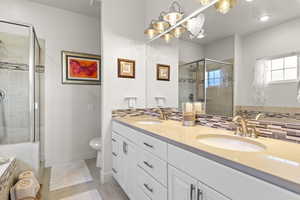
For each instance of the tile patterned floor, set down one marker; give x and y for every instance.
(107, 191)
(91, 195)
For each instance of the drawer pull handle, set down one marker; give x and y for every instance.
(114, 140)
(114, 154)
(148, 188)
(125, 150)
(192, 190)
(148, 165)
(199, 195)
(148, 145)
(115, 171)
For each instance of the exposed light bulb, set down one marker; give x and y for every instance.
(167, 37)
(204, 2)
(177, 32)
(201, 34)
(173, 18)
(223, 6)
(150, 32)
(160, 26)
(264, 18)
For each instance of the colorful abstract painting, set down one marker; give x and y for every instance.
(80, 68)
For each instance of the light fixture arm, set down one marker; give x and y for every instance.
(174, 5)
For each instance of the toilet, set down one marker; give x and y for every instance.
(96, 145)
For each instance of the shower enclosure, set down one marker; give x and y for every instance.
(21, 74)
(210, 82)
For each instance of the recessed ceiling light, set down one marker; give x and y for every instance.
(249, 0)
(264, 18)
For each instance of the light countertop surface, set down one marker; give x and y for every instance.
(278, 164)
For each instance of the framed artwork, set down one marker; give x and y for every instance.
(81, 68)
(126, 68)
(163, 72)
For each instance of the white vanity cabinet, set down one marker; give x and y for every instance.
(125, 164)
(148, 168)
(183, 187)
(180, 185)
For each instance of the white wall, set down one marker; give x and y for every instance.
(122, 37)
(222, 49)
(72, 112)
(190, 51)
(278, 40)
(158, 52)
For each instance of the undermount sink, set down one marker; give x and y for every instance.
(233, 143)
(149, 122)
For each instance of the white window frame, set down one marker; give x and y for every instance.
(284, 81)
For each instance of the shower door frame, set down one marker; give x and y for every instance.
(204, 71)
(31, 71)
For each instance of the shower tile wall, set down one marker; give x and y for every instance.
(14, 109)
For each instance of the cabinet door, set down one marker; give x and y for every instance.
(206, 193)
(129, 165)
(180, 185)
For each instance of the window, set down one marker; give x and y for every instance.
(213, 78)
(283, 68)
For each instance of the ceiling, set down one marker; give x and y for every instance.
(243, 18)
(86, 7)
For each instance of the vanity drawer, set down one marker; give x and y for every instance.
(151, 187)
(125, 131)
(156, 167)
(153, 145)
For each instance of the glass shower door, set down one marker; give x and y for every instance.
(219, 88)
(14, 84)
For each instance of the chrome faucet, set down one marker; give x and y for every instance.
(163, 114)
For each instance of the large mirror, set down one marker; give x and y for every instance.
(246, 62)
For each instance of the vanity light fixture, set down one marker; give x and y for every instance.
(174, 14)
(264, 18)
(161, 25)
(201, 34)
(167, 37)
(150, 31)
(178, 31)
(204, 2)
(223, 6)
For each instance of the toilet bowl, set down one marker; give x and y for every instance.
(96, 145)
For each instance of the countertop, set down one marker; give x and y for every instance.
(278, 164)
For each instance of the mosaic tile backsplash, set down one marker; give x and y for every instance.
(267, 127)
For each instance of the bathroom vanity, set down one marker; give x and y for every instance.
(163, 160)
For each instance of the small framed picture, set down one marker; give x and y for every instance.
(163, 72)
(126, 68)
(80, 68)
